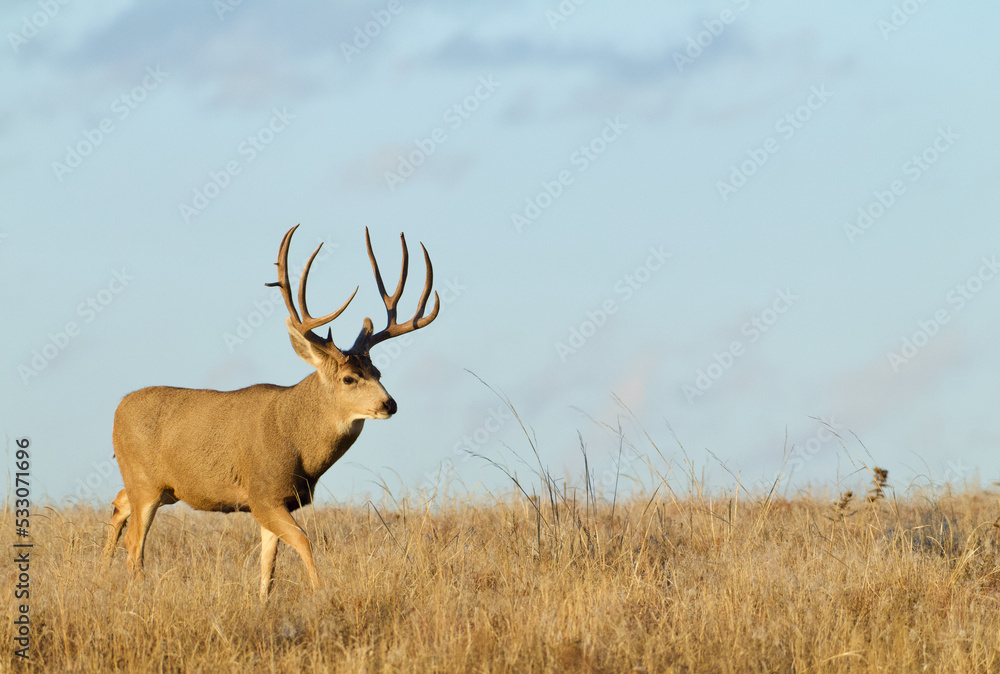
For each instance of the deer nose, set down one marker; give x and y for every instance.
(389, 406)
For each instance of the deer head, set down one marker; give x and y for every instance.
(349, 378)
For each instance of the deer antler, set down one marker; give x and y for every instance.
(366, 339)
(306, 324)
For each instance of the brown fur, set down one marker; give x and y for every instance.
(259, 449)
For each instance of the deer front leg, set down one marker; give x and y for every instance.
(279, 522)
(268, 551)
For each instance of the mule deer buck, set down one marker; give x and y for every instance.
(259, 449)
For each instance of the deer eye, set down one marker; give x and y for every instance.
(350, 380)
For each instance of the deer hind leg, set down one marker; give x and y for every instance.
(278, 521)
(120, 514)
(135, 537)
(268, 551)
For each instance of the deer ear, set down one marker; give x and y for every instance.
(309, 352)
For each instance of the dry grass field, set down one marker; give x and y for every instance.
(663, 582)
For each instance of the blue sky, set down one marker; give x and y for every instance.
(729, 216)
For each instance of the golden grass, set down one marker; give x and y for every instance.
(662, 584)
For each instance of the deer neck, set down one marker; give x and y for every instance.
(324, 429)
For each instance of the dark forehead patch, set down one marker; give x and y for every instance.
(361, 364)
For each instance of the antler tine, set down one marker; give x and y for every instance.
(282, 282)
(402, 273)
(308, 322)
(389, 300)
(427, 293)
(420, 321)
(393, 329)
